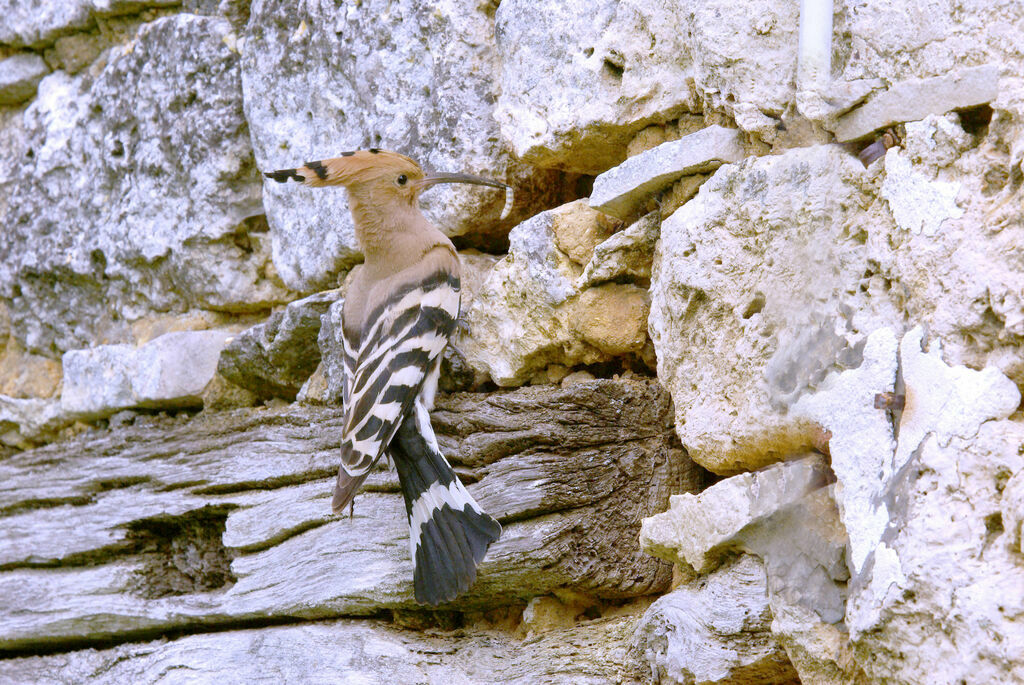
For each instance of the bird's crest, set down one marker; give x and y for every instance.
(357, 166)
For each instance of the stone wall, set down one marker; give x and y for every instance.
(740, 373)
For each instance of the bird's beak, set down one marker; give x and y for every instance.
(435, 179)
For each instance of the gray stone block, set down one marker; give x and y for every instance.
(619, 191)
(914, 99)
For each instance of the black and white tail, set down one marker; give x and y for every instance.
(448, 531)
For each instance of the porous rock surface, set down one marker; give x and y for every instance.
(840, 344)
(375, 74)
(123, 201)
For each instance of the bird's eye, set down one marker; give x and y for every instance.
(402, 179)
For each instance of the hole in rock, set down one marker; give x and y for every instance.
(976, 120)
(610, 68)
(755, 306)
(182, 554)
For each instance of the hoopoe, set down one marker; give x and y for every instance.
(399, 313)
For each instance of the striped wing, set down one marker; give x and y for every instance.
(349, 352)
(397, 348)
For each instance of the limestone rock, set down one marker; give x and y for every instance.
(476, 266)
(77, 51)
(27, 421)
(715, 630)
(947, 508)
(618, 67)
(20, 76)
(968, 291)
(915, 99)
(698, 530)
(416, 79)
(220, 394)
(331, 372)
(939, 495)
(124, 201)
(579, 230)
(784, 516)
(945, 402)
(135, 500)
(755, 297)
(315, 389)
(171, 371)
(1013, 511)
(918, 204)
(275, 358)
(575, 377)
(679, 194)
(803, 547)
(923, 40)
(522, 318)
(860, 439)
(612, 318)
(27, 375)
(41, 23)
(626, 255)
(544, 614)
(619, 191)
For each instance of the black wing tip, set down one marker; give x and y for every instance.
(284, 175)
(345, 489)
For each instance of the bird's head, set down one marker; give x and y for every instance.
(375, 177)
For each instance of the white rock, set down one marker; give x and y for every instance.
(617, 67)
(715, 630)
(23, 421)
(416, 78)
(918, 204)
(755, 297)
(20, 76)
(915, 99)
(946, 402)
(125, 201)
(861, 441)
(944, 550)
(946, 558)
(170, 371)
(1013, 511)
(620, 190)
(521, 319)
(803, 548)
(275, 358)
(698, 530)
(627, 254)
(955, 267)
(39, 23)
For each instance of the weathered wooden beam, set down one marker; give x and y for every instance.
(225, 519)
(352, 650)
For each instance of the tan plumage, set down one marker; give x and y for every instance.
(399, 312)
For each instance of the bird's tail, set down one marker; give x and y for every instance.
(449, 532)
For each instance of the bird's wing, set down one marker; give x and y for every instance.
(348, 348)
(399, 342)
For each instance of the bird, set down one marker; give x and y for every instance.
(399, 313)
